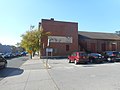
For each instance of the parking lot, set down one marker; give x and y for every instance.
(33, 75)
(69, 76)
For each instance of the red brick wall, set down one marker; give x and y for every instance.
(98, 45)
(59, 28)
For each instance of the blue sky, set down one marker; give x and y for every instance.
(16, 16)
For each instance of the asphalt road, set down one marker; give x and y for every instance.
(12, 66)
(69, 76)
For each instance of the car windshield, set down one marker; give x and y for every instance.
(83, 54)
(95, 54)
(112, 53)
(1, 58)
(115, 52)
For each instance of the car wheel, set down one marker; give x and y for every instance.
(69, 61)
(113, 60)
(5, 65)
(90, 60)
(109, 59)
(75, 62)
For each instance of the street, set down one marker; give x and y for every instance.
(69, 76)
(33, 75)
(12, 66)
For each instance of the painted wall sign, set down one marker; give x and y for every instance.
(60, 39)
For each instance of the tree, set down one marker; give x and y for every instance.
(17, 44)
(117, 32)
(31, 40)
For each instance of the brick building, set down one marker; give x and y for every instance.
(98, 42)
(63, 39)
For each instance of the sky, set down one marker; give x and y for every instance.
(16, 16)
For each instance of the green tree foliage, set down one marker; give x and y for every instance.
(31, 40)
(117, 33)
(17, 44)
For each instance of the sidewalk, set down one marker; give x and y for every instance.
(34, 77)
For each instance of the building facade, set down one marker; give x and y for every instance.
(63, 39)
(98, 42)
(10, 49)
(5, 48)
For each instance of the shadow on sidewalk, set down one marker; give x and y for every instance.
(9, 71)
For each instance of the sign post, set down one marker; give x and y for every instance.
(47, 51)
(30, 52)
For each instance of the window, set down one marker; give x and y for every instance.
(83, 54)
(103, 46)
(67, 47)
(93, 47)
(113, 47)
(74, 54)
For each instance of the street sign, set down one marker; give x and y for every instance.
(30, 48)
(30, 51)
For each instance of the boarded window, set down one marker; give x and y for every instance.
(113, 47)
(83, 46)
(103, 46)
(93, 47)
(67, 47)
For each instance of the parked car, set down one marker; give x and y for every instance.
(23, 53)
(112, 56)
(18, 54)
(7, 55)
(78, 57)
(3, 62)
(95, 58)
(2, 54)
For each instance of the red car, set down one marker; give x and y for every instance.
(78, 57)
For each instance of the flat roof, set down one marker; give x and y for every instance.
(52, 19)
